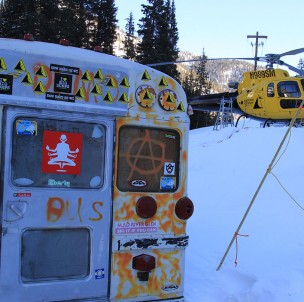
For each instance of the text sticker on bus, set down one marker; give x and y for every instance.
(61, 152)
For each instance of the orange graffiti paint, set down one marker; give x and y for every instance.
(55, 208)
(94, 206)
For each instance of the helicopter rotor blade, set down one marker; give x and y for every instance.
(296, 70)
(196, 60)
(291, 52)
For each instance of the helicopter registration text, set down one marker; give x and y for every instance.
(262, 74)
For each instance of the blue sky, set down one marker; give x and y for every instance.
(221, 27)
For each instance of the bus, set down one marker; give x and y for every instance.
(94, 201)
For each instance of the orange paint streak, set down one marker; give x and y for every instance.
(94, 206)
(54, 209)
(184, 156)
(48, 77)
(123, 268)
(131, 100)
(172, 83)
(126, 211)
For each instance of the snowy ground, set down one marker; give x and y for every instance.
(225, 169)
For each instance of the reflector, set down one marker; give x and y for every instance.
(184, 208)
(146, 207)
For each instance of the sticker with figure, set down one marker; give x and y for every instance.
(61, 152)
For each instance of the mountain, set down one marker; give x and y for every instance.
(221, 72)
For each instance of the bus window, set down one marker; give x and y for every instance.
(41, 250)
(148, 159)
(52, 153)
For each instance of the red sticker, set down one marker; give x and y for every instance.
(61, 152)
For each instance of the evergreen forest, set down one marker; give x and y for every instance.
(90, 23)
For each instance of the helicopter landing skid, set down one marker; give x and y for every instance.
(243, 115)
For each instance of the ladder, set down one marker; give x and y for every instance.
(225, 114)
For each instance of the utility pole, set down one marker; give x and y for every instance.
(256, 37)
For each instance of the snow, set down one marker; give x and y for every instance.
(225, 170)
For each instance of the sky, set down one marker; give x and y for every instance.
(225, 170)
(221, 27)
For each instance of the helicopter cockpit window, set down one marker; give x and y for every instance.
(289, 89)
(270, 90)
(289, 92)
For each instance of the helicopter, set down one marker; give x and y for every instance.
(270, 95)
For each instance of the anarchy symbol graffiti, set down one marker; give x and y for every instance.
(135, 154)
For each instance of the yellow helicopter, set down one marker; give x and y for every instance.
(270, 95)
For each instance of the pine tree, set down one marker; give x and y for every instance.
(301, 64)
(105, 31)
(49, 21)
(146, 50)
(159, 34)
(129, 45)
(72, 21)
(202, 84)
(12, 19)
(171, 39)
(197, 83)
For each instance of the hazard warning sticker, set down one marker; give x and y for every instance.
(61, 152)
(6, 84)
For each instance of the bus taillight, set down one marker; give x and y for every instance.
(146, 207)
(184, 208)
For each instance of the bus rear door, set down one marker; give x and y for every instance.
(56, 205)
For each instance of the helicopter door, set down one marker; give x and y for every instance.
(56, 206)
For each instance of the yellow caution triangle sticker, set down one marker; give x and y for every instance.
(80, 93)
(39, 88)
(111, 83)
(124, 98)
(99, 75)
(41, 72)
(96, 90)
(146, 76)
(20, 66)
(86, 76)
(163, 82)
(2, 64)
(147, 95)
(108, 97)
(171, 98)
(27, 80)
(124, 82)
(181, 107)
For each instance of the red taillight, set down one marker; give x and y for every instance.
(146, 207)
(98, 48)
(184, 208)
(143, 263)
(28, 37)
(64, 42)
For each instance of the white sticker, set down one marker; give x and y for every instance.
(169, 168)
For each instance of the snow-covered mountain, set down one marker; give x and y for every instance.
(221, 72)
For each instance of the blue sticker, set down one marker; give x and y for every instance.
(167, 183)
(24, 127)
(99, 273)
